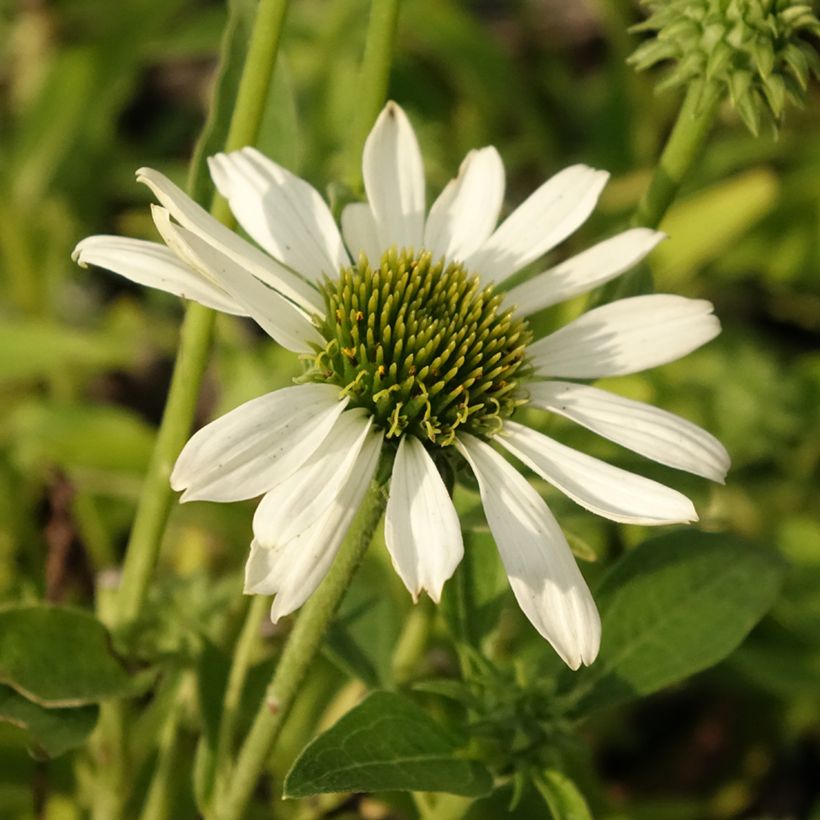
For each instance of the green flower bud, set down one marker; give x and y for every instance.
(757, 50)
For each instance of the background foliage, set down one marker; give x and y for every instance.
(91, 90)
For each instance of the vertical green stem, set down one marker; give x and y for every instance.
(159, 803)
(373, 80)
(300, 650)
(155, 500)
(682, 149)
(242, 654)
(154, 504)
(412, 642)
(197, 330)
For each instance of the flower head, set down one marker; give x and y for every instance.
(413, 347)
(756, 49)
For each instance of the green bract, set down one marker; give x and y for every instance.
(756, 49)
(422, 346)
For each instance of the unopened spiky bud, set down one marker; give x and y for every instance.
(759, 51)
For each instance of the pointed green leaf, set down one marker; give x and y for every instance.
(562, 797)
(57, 656)
(673, 606)
(386, 743)
(231, 60)
(51, 731)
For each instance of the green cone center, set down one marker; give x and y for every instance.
(422, 346)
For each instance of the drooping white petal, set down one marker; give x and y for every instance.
(421, 526)
(654, 433)
(587, 270)
(599, 487)
(394, 180)
(543, 575)
(545, 218)
(260, 443)
(278, 317)
(295, 502)
(197, 220)
(154, 265)
(282, 212)
(466, 212)
(293, 569)
(359, 231)
(626, 336)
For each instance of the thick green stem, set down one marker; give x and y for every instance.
(682, 149)
(155, 500)
(154, 504)
(685, 143)
(197, 331)
(373, 80)
(243, 652)
(301, 648)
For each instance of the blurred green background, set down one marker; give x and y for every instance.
(90, 90)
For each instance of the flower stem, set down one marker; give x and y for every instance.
(159, 802)
(301, 648)
(373, 80)
(243, 652)
(684, 146)
(197, 331)
(682, 149)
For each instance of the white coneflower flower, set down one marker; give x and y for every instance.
(413, 350)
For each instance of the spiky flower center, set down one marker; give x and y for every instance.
(423, 346)
(760, 51)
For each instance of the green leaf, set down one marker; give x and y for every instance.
(101, 437)
(673, 606)
(562, 797)
(472, 601)
(56, 656)
(704, 225)
(31, 349)
(51, 731)
(364, 635)
(231, 61)
(385, 743)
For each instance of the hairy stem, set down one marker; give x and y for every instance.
(240, 664)
(197, 331)
(682, 149)
(373, 80)
(301, 648)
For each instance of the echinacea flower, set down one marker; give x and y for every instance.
(415, 351)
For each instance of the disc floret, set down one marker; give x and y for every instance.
(422, 346)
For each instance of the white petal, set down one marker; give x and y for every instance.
(394, 180)
(543, 575)
(654, 433)
(421, 526)
(282, 212)
(154, 265)
(278, 317)
(467, 210)
(295, 502)
(196, 219)
(594, 484)
(294, 569)
(359, 231)
(260, 443)
(545, 218)
(587, 270)
(626, 336)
